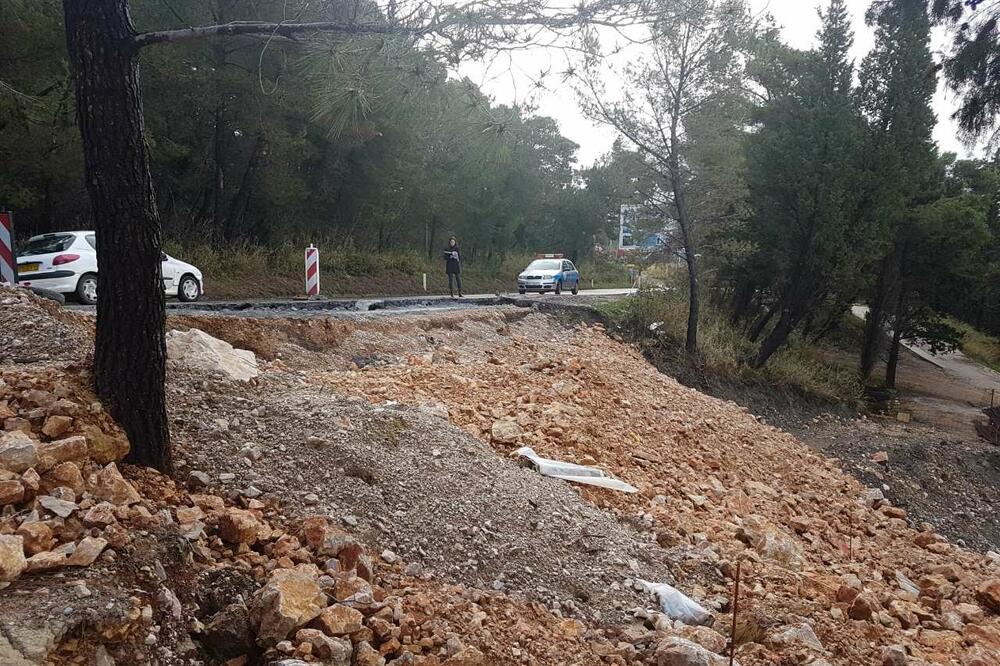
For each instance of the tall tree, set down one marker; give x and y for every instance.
(809, 221)
(897, 86)
(939, 250)
(683, 109)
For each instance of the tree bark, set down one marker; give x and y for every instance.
(762, 321)
(431, 234)
(220, 225)
(130, 353)
(779, 334)
(875, 322)
(900, 326)
(740, 304)
(684, 222)
(694, 299)
(893, 362)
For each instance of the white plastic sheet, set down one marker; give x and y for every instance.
(572, 472)
(676, 605)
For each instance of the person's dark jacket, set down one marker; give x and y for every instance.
(452, 260)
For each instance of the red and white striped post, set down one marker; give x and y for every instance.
(312, 271)
(8, 266)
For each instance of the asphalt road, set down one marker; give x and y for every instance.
(323, 306)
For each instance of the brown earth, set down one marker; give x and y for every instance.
(346, 421)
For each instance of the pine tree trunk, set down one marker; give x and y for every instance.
(875, 323)
(901, 323)
(893, 362)
(690, 253)
(742, 298)
(694, 302)
(763, 320)
(431, 234)
(776, 338)
(130, 355)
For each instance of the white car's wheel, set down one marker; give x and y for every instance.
(86, 289)
(188, 290)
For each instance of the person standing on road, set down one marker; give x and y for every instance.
(453, 267)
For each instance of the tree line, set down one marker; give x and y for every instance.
(805, 182)
(364, 142)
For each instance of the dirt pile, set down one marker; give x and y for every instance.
(36, 330)
(817, 546)
(305, 526)
(106, 566)
(404, 480)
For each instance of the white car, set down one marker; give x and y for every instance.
(66, 262)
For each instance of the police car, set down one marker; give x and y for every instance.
(549, 272)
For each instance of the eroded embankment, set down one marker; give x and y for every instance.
(715, 482)
(481, 561)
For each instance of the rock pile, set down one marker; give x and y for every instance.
(835, 570)
(36, 330)
(832, 573)
(61, 494)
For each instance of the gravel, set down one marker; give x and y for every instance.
(467, 515)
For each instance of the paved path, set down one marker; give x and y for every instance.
(955, 363)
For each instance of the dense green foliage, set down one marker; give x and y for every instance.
(849, 200)
(791, 183)
(809, 225)
(365, 142)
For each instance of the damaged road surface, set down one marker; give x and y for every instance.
(355, 497)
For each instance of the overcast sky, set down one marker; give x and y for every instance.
(512, 80)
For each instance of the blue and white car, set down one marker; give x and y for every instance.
(549, 272)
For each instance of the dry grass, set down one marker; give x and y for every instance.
(659, 319)
(977, 345)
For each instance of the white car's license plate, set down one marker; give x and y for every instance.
(28, 268)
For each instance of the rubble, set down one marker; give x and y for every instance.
(289, 600)
(804, 519)
(431, 546)
(988, 593)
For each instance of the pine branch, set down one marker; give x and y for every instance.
(265, 30)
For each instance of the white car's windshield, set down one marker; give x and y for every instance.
(545, 265)
(48, 244)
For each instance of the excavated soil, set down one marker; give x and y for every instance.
(348, 420)
(406, 480)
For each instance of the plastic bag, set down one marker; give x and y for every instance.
(676, 605)
(572, 472)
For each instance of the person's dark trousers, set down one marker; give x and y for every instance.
(457, 283)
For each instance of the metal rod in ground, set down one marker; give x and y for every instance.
(736, 608)
(850, 535)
